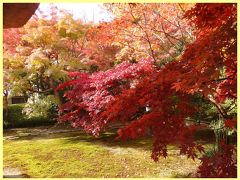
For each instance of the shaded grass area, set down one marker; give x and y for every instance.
(76, 154)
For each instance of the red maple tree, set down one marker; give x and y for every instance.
(124, 93)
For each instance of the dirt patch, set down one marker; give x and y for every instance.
(119, 150)
(14, 173)
(16, 133)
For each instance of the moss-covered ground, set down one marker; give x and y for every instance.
(75, 154)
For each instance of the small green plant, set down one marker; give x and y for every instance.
(41, 106)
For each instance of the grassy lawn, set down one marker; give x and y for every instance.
(75, 154)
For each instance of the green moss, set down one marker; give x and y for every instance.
(75, 154)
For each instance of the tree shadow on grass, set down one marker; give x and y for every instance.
(79, 136)
(106, 139)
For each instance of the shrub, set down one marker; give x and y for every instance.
(41, 106)
(16, 118)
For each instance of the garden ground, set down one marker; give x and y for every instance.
(67, 153)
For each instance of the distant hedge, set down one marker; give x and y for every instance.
(16, 118)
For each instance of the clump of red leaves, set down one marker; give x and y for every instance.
(222, 164)
(89, 95)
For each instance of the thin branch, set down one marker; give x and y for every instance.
(148, 39)
(168, 34)
(41, 92)
(218, 106)
(181, 8)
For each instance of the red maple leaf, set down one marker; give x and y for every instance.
(230, 123)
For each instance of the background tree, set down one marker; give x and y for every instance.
(47, 49)
(153, 30)
(38, 56)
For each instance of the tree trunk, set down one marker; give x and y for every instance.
(56, 93)
(220, 134)
(5, 104)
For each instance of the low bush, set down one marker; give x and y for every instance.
(16, 118)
